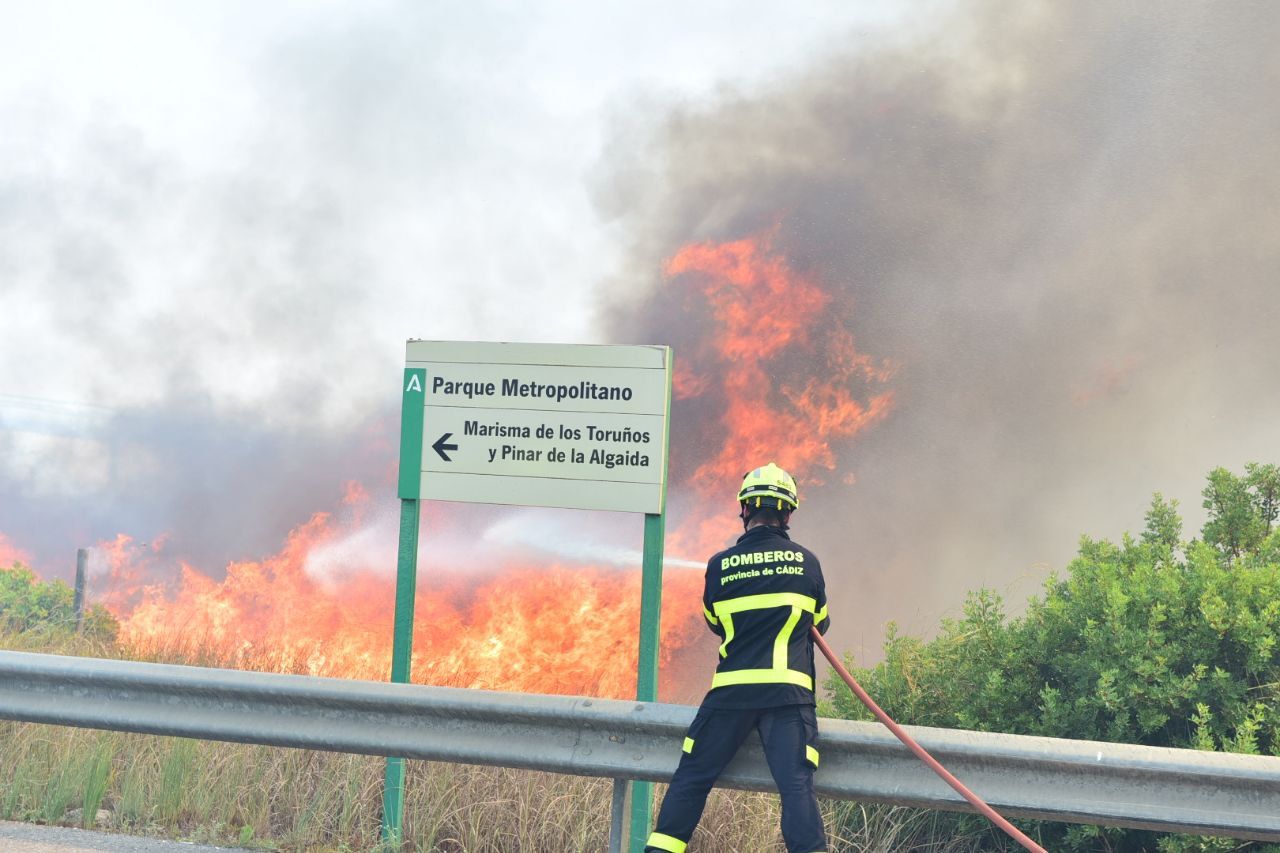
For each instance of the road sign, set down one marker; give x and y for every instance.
(581, 427)
(561, 425)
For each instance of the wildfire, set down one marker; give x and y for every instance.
(784, 372)
(548, 629)
(10, 553)
(784, 377)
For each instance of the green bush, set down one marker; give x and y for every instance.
(1152, 641)
(29, 605)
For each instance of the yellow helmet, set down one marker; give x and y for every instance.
(769, 486)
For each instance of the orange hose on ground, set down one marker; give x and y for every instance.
(974, 800)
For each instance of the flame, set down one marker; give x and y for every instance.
(11, 554)
(550, 629)
(784, 373)
(787, 369)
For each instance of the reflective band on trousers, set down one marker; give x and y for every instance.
(658, 841)
(778, 673)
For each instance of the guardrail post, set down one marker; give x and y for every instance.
(617, 815)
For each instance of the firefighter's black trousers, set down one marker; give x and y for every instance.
(789, 735)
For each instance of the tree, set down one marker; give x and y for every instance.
(1241, 509)
(1164, 526)
(1138, 643)
(1264, 483)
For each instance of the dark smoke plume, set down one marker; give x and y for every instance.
(1062, 222)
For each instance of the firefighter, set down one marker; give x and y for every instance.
(761, 596)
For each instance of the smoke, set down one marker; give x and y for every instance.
(204, 318)
(555, 535)
(1058, 220)
(215, 487)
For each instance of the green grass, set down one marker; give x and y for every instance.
(99, 777)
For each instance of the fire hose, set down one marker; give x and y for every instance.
(973, 799)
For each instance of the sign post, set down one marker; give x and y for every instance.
(555, 425)
(647, 674)
(408, 489)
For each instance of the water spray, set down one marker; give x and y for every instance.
(910, 742)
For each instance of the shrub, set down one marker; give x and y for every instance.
(1152, 641)
(29, 605)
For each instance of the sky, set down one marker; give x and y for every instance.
(220, 222)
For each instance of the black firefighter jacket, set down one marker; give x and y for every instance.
(761, 596)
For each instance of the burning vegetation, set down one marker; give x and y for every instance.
(568, 626)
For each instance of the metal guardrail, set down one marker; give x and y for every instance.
(1168, 790)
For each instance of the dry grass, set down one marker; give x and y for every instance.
(289, 799)
(306, 800)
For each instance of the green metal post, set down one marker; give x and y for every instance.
(655, 525)
(647, 671)
(401, 658)
(650, 607)
(410, 485)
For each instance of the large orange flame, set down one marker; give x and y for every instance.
(552, 629)
(784, 370)
(785, 374)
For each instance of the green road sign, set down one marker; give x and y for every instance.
(558, 425)
(574, 426)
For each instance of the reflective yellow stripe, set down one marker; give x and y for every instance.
(768, 599)
(666, 842)
(820, 615)
(727, 620)
(711, 617)
(688, 744)
(809, 753)
(762, 676)
(783, 639)
(779, 674)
